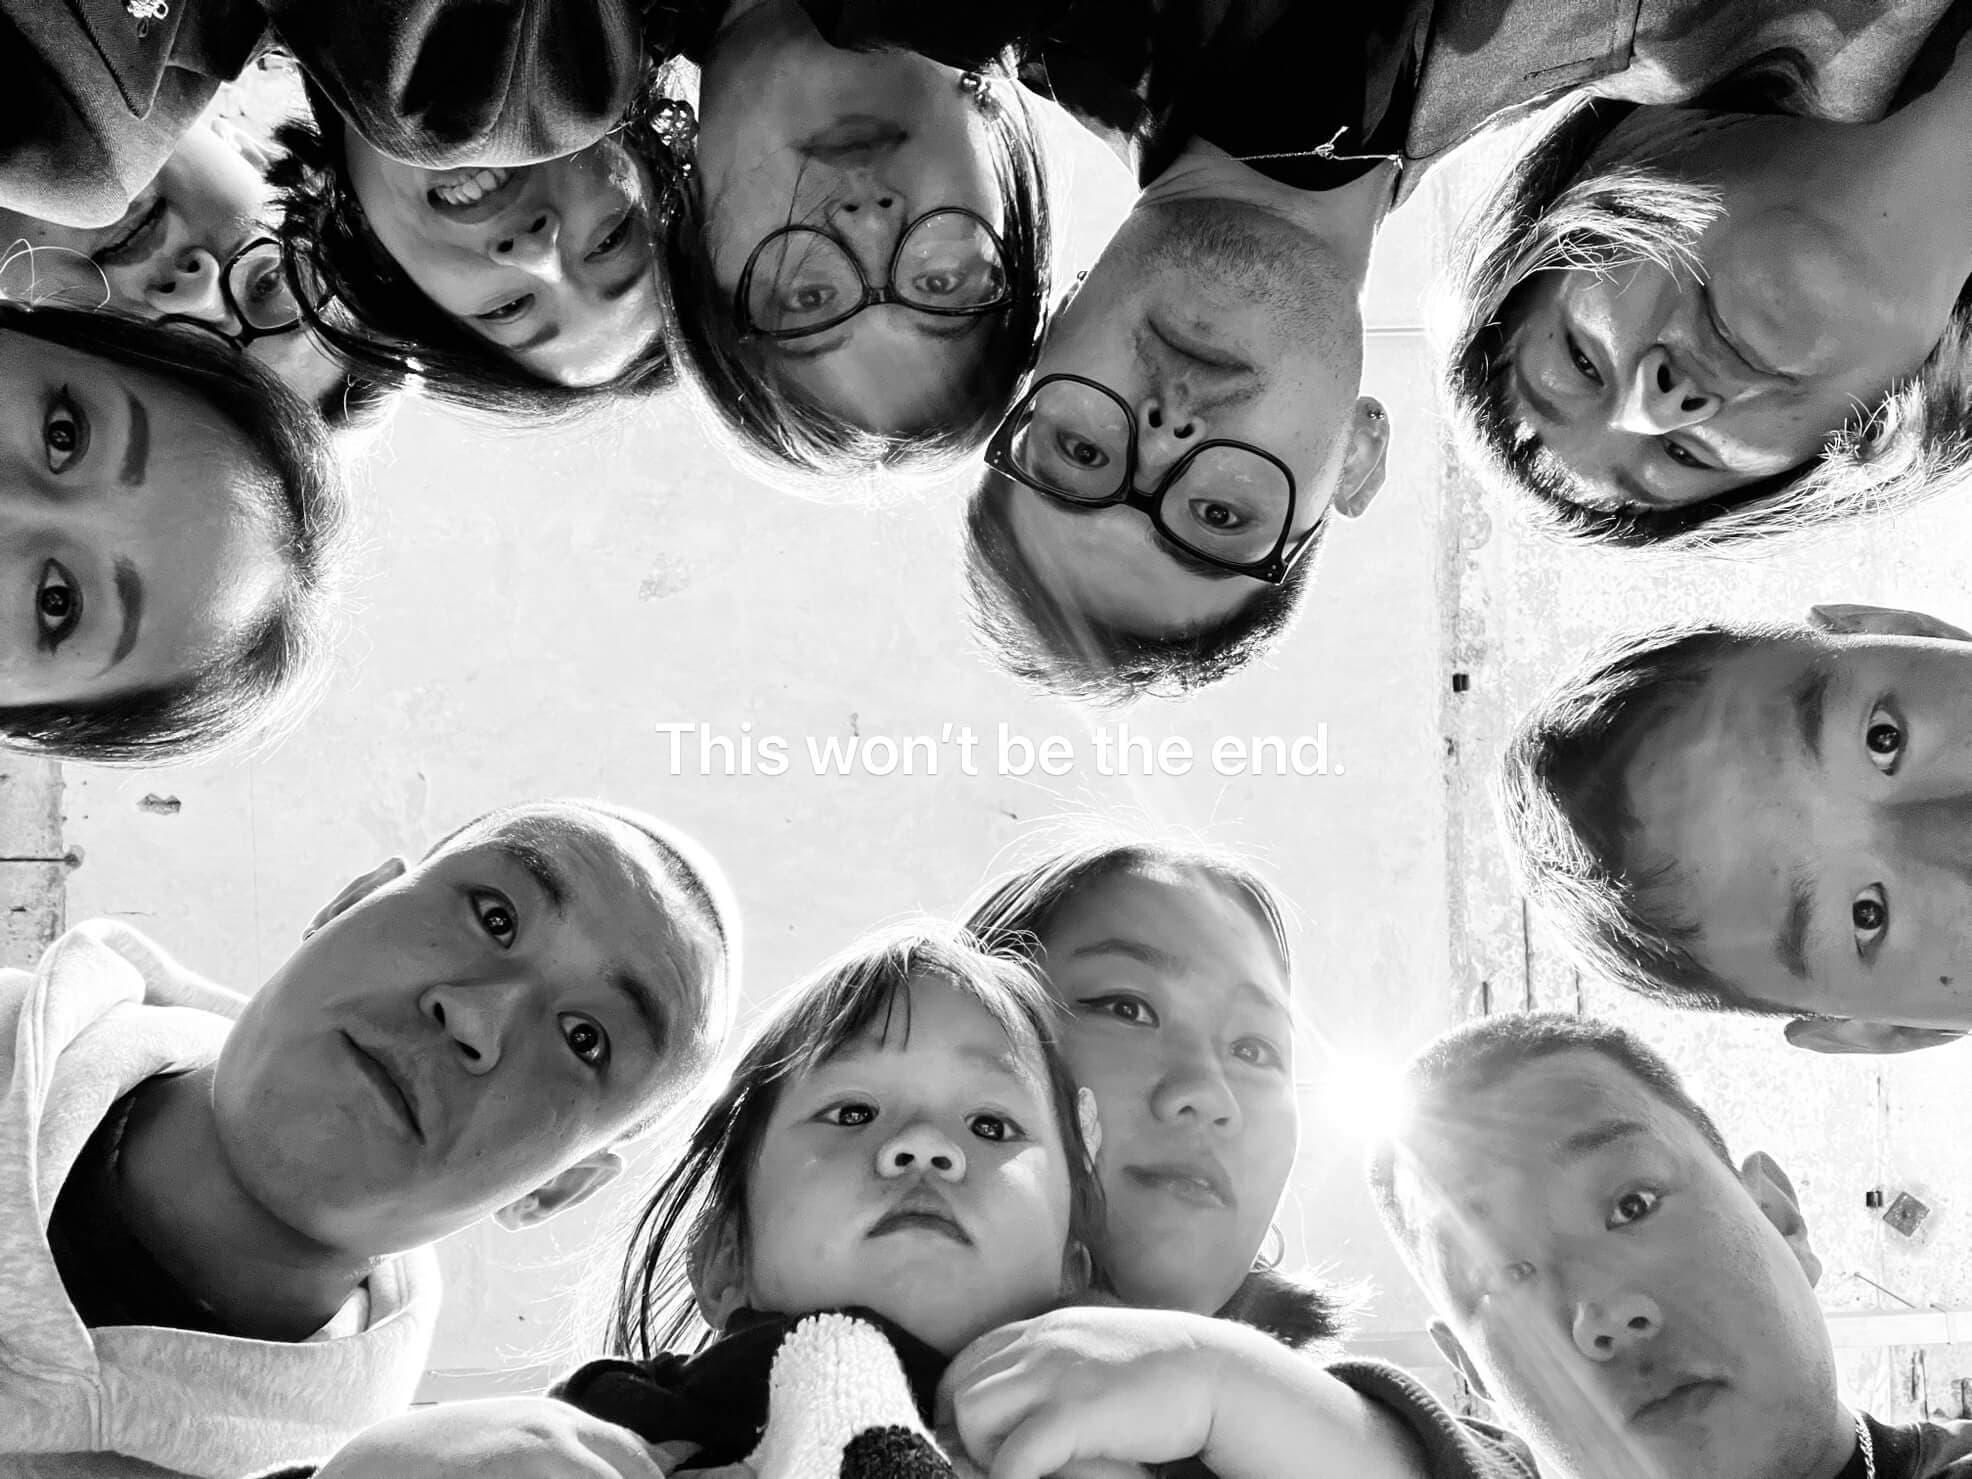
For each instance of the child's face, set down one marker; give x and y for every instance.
(1181, 1026)
(920, 1173)
(1813, 805)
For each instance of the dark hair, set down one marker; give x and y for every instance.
(1015, 913)
(776, 430)
(1483, 1053)
(687, 866)
(704, 1194)
(1557, 211)
(382, 324)
(1565, 809)
(357, 403)
(257, 681)
(1030, 633)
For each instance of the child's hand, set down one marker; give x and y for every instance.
(499, 1438)
(1067, 1389)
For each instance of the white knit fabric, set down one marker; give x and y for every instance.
(105, 1010)
(833, 1377)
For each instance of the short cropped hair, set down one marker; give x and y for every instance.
(687, 866)
(814, 452)
(1483, 1053)
(1558, 210)
(1025, 630)
(257, 682)
(1566, 810)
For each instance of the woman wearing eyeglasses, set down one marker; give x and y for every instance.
(170, 525)
(857, 267)
(189, 250)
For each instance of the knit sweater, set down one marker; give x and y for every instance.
(104, 1011)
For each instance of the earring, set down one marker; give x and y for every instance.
(1270, 1258)
(1376, 413)
(676, 127)
(973, 82)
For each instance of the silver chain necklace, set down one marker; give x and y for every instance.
(1322, 151)
(1868, 1446)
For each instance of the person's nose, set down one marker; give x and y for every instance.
(1932, 826)
(1612, 1326)
(188, 284)
(867, 213)
(1193, 1091)
(1663, 397)
(1167, 428)
(478, 1019)
(921, 1148)
(532, 248)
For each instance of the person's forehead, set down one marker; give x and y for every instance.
(598, 341)
(1178, 921)
(934, 1015)
(1470, 1158)
(1108, 567)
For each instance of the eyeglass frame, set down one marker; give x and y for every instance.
(872, 296)
(1273, 570)
(249, 332)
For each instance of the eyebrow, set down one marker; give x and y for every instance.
(129, 591)
(1164, 960)
(1809, 699)
(643, 1001)
(1584, 1143)
(1790, 942)
(137, 451)
(535, 340)
(536, 863)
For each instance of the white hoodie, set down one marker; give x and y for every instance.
(104, 1011)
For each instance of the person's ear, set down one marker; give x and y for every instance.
(568, 1189)
(718, 1270)
(1774, 1194)
(1848, 1035)
(1449, 1347)
(357, 890)
(1364, 461)
(1882, 621)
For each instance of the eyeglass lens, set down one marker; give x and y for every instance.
(805, 280)
(260, 290)
(1230, 503)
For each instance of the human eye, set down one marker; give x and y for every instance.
(585, 1038)
(1683, 456)
(942, 282)
(1124, 1008)
(64, 432)
(496, 916)
(989, 1126)
(1217, 515)
(57, 605)
(508, 311)
(851, 1114)
(1581, 361)
(1870, 913)
(1080, 450)
(1633, 1206)
(618, 234)
(1507, 1278)
(810, 296)
(1884, 739)
(1258, 1052)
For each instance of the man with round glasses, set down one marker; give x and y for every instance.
(189, 249)
(1271, 138)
